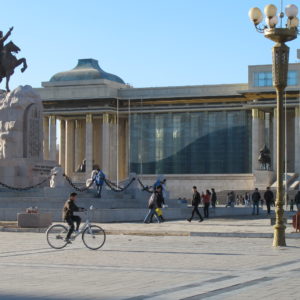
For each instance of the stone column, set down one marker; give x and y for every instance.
(79, 147)
(114, 159)
(258, 136)
(297, 140)
(52, 147)
(46, 137)
(89, 143)
(69, 164)
(106, 140)
(274, 154)
(62, 144)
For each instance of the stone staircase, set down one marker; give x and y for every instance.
(130, 205)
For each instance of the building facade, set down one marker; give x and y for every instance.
(210, 134)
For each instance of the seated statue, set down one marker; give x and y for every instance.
(265, 158)
(82, 167)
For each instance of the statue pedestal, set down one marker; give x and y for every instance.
(21, 139)
(263, 178)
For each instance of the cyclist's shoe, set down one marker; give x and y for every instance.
(68, 241)
(76, 231)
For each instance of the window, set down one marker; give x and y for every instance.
(214, 142)
(264, 79)
(292, 78)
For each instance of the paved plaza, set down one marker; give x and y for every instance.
(149, 267)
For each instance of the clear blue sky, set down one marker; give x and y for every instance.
(145, 42)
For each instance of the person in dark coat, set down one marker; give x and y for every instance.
(153, 205)
(213, 198)
(68, 215)
(269, 198)
(255, 200)
(297, 200)
(195, 203)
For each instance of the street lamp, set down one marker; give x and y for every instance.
(280, 54)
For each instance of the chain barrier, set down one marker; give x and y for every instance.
(25, 188)
(78, 189)
(145, 187)
(114, 187)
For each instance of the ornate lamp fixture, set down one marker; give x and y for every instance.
(279, 35)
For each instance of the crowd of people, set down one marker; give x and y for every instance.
(209, 199)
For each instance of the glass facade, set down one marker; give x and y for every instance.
(211, 142)
(262, 79)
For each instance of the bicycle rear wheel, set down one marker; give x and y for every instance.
(56, 236)
(93, 237)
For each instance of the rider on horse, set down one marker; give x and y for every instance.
(2, 40)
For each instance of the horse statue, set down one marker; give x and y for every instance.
(8, 62)
(265, 158)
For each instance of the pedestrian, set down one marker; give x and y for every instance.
(68, 215)
(230, 199)
(269, 198)
(206, 202)
(297, 200)
(160, 205)
(153, 205)
(99, 179)
(213, 198)
(195, 203)
(247, 199)
(292, 205)
(255, 200)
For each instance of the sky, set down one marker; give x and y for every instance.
(147, 43)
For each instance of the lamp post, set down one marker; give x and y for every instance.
(280, 54)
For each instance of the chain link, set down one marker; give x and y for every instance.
(114, 187)
(69, 180)
(145, 187)
(25, 188)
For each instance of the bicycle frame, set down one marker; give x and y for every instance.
(87, 224)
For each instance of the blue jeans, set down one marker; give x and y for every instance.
(255, 204)
(150, 215)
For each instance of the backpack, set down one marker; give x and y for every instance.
(151, 201)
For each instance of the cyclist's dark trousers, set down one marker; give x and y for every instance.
(196, 210)
(70, 221)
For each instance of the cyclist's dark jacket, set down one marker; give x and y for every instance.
(69, 209)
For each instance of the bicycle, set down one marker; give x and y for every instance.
(93, 236)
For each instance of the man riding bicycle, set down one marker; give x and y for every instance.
(68, 215)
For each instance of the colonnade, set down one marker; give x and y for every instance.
(261, 136)
(99, 140)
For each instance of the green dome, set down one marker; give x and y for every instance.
(86, 69)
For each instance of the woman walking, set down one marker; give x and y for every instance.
(206, 202)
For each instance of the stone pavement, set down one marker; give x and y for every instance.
(144, 267)
(243, 226)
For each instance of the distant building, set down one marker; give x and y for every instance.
(207, 134)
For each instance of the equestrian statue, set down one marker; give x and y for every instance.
(8, 61)
(265, 158)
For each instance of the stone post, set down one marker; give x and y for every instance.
(258, 136)
(69, 167)
(46, 137)
(62, 144)
(297, 140)
(89, 144)
(52, 152)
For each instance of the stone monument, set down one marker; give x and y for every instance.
(21, 138)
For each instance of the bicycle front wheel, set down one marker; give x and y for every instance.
(93, 237)
(56, 236)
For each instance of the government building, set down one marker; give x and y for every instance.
(208, 135)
